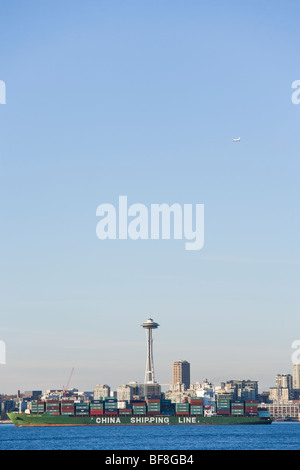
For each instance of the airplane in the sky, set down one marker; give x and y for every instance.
(236, 140)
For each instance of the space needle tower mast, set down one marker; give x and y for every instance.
(149, 325)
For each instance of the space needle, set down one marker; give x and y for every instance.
(149, 325)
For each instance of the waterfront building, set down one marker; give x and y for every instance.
(288, 411)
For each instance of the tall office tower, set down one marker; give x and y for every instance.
(101, 391)
(181, 373)
(124, 393)
(149, 325)
(296, 376)
(284, 381)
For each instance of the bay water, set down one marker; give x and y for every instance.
(277, 436)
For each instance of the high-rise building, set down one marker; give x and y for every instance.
(124, 392)
(279, 394)
(296, 376)
(284, 381)
(101, 391)
(283, 391)
(181, 373)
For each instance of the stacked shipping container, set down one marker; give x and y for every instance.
(182, 409)
(37, 406)
(196, 406)
(82, 409)
(151, 407)
(237, 409)
(53, 407)
(223, 406)
(67, 407)
(167, 407)
(97, 408)
(139, 408)
(110, 406)
(251, 408)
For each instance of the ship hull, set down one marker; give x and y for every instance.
(23, 419)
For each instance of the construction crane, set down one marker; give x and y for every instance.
(65, 389)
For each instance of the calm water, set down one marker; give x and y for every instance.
(277, 436)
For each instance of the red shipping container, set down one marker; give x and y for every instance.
(96, 412)
(111, 413)
(153, 400)
(182, 413)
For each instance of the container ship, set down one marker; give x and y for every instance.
(109, 411)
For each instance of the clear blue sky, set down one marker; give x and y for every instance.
(109, 98)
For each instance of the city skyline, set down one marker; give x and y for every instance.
(144, 101)
(181, 373)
